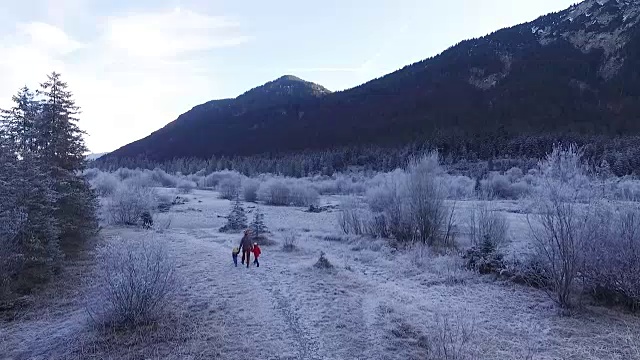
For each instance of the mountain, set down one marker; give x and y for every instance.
(94, 156)
(571, 72)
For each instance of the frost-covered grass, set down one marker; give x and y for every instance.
(376, 302)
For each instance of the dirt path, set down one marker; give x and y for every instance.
(280, 310)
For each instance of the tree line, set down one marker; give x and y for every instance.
(622, 153)
(47, 209)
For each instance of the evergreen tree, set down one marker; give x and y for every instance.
(29, 235)
(237, 219)
(258, 228)
(19, 121)
(59, 141)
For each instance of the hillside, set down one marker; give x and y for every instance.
(572, 72)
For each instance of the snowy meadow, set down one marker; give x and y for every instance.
(418, 263)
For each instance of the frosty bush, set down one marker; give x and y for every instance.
(135, 279)
(274, 192)
(105, 184)
(163, 179)
(185, 186)
(290, 241)
(124, 173)
(214, 179)
(413, 203)
(485, 225)
(229, 188)
(129, 202)
(350, 219)
(564, 173)
(426, 199)
(559, 232)
(612, 256)
(303, 195)
(250, 190)
(458, 187)
(498, 186)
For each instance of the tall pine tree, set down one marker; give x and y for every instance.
(59, 141)
(19, 122)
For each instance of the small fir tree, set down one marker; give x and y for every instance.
(237, 219)
(258, 228)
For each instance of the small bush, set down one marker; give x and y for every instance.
(485, 225)
(124, 173)
(498, 186)
(290, 241)
(163, 179)
(229, 188)
(214, 179)
(458, 187)
(323, 262)
(105, 184)
(275, 192)
(304, 195)
(612, 256)
(559, 231)
(349, 218)
(250, 190)
(135, 279)
(186, 186)
(128, 203)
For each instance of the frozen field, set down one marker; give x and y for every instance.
(376, 303)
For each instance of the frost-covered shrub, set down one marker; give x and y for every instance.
(161, 178)
(105, 184)
(212, 180)
(485, 225)
(250, 189)
(379, 197)
(290, 241)
(229, 188)
(413, 203)
(627, 189)
(350, 218)
(124, 173)
(275, 192)
(612, 255)
(514, 174)
(185, 186)
(564, 172)
(458, 187)
(425, 197)
(560, 229)
(136, 279)
(302, 194)
(129, 202)
(498, 186)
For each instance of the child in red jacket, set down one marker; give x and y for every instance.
(256, 253)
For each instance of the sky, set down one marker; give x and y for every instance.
(134, 66)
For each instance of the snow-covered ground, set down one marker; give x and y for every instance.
(376, 303)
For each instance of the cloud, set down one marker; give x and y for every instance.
(130, 77)
(49, 38)
(172, 33)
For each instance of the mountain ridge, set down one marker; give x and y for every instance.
(570, 71)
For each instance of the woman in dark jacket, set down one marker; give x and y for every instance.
(247, 246)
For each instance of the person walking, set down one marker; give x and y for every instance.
(247, 247)
(256, 254)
